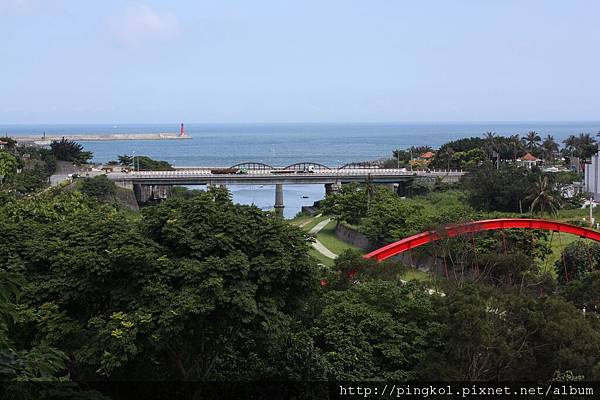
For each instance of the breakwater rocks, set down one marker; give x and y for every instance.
(46, 140)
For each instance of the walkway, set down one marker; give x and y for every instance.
(318, 245)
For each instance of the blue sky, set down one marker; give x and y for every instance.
(74, 61)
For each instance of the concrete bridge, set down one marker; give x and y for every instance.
(154, 185)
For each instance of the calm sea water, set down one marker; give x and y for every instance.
(284, 144)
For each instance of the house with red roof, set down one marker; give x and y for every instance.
(528, 160)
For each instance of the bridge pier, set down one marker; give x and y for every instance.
(151, 193)
(403, 189)
(332, 188)
(279, 199)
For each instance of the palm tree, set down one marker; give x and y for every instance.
(549, 148)
(370, 189)
(586, 145)
(490, 141)
(544, 199)
(515, 145)
(585, 139)
(448, 153)
(570, 144)
(532, 141)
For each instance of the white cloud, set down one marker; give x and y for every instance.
(140, 24)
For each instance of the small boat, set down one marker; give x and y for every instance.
(305, 197)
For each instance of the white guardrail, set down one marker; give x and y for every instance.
(182, 173)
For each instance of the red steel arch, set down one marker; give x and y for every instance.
(477, 226)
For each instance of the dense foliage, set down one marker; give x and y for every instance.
(512, 189)
(377, 330)
(383, 216)
(191, 289)
(68, 150)
(197, 288)
(496, 335)
(99, 187)
(578, 260)
(8, 165)
(143, 163)
(24, 170)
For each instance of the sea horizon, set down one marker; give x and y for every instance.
(283, 144)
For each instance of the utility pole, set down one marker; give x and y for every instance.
(591, 212)
(411, 159)
(398, 157)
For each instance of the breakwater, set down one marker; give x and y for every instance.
(46, 140)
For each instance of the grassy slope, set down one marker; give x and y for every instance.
(329, 240)
(560, 241)
(327, 237)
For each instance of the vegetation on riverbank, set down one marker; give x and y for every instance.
(199, 288)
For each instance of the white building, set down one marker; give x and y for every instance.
(528, 160)
(592, 177)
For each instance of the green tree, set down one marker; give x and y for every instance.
(503, 189)
(376, 330)
(513, 147)
(490, 143)
(351, 202)
(584, 292)
(490, 334)
(549, 148)
(570, 144)
(29, 180)
(8, 165)
(68, 150)
(99, 187)
(142, 163)
(125, 160)
(532, 141)
(445, 159)
(38, 363)
(586, 146)
(193, 289)
(467, 160)
(577, 260)
(397, 218)
(543, 198)
(449, 153)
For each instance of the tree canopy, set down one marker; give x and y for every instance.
(192, 284)
(68, 150)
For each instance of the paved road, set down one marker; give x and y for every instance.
(318, 245)
(269, 177)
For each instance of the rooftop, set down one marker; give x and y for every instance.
(529, 157)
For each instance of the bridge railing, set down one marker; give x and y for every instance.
(257, 173)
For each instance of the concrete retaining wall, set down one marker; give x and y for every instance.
(352, 236)
(355, 238)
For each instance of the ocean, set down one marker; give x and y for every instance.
(284, 144)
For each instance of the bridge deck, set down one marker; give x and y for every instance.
(205, 176)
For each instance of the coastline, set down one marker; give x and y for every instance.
(46, 140)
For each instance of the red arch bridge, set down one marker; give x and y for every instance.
(423, 238)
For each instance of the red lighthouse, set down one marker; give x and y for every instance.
(182, 130)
